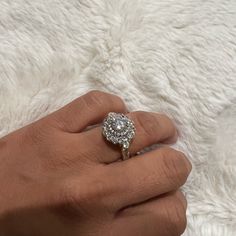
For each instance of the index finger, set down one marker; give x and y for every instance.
(87, 110)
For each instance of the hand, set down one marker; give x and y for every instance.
(59, 177)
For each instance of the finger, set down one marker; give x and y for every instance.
(87, 110)
(151, 128)
(165, 215)
(149, 175)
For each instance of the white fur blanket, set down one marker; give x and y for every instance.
(170, 56)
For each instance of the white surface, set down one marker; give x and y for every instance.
(175, 57)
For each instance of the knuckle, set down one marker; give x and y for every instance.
(182, 199)
(97, 99)
(115, 102)
(119, 102)
(176, 214)
(95, 93)
(171, 130)
(146, 123)
(94, 99)
(179, 220)
(176, 166)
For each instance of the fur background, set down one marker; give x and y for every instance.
(169, 56)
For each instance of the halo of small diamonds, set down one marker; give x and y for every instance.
(118, 129)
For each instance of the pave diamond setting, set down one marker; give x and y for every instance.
(118, 129)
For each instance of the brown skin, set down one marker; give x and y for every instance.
(59, 178)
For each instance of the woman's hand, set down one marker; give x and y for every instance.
(57, 177)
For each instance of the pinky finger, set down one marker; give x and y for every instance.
(165, 216)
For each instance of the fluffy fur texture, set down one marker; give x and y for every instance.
(174, 57)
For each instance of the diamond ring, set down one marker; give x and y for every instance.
(119, 129)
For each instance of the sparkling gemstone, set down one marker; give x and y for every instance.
(118, 124)
(118, 129)
(125, 145)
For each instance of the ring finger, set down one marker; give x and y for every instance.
(151, 128)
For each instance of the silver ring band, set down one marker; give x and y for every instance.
(125, 153)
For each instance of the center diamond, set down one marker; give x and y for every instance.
(118, 124)
(118, 129)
